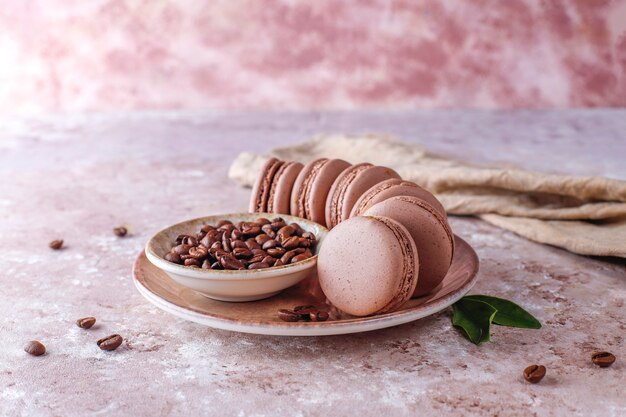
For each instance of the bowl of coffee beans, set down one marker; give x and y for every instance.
(238, 257)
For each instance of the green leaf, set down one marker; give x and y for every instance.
(474, 317)
(509, 313)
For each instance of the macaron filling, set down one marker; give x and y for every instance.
(275, 179)
(265, 186)
(304, 210)
(409, 279)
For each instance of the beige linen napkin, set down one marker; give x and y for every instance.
(585, 215)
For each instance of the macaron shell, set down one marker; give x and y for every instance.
(368, 265)
(334, 201)
(432, 235)
(261, 188)
(361, 182)
(319, 188)
(282, 184)
(298, 194)
(392, 188)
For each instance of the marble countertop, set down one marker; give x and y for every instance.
(75, 177)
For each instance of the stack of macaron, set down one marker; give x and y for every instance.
(389, 241)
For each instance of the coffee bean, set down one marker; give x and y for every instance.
(120, 231)
(251, 243)
(249, 231)
(286, 258)
(255, 259)
(238, 244)
(269, 260)
(318, 316)
(199, 236)
(268, 230)
(299, 258)
(181, 249)
(206, 264)
(216, 245)
(189, 240)
(298, 230)
(111, 342)
(207, 228)
(262, 221)
(276, 252)
(284, 233)
(288, 315)
(305, 309)
(242, 253)
(278, 262)
(277, 224)
(216, 265)
(534, 373)
(291, 242)
(256, 252)
(222, 223)
(270, 244)
(226, 243)
(258, 265)
(603, 359)
(86, 322)
(229, 262)
(191, 262)
(35, 348)
(198, 253)
(173, 257)
(207, 241)
(262, 238)
(56, 244)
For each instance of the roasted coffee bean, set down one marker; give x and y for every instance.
(284, 233)
(56, 244)
(251, 243)
(258, 252)
(229, 262)
(291, 243)
(179, 239)
(238, 244)
(603, 359)
(35, 348)
(278, 262)
(299, 258)
(86, 322)
(226, 243)
(199, 236)
(191, 262)
(267, 229)
(120, 231)
(222, 223)
(216, 245)
(242, 253)
(288, 315)
(189, 240)
(258, 265)
(216, 265)
(236, 234)
(276, 252)
(256, 258)
(111, 342)
(261, 221)
(262, 239)
(277, 224)
(286, 258)
(199, 252)
(534, 373)
(269, 260)
(207, 228)
(181, 249)
(249, 231)
(318, 316)
(305, 309)
(270, 244)
(307, 252)
(298, 230)
(304, 242)
(206, 264)
(208, 241)
(173, 257)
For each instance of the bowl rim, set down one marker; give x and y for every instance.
(235, 274)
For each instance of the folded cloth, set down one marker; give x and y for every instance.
(585, 215)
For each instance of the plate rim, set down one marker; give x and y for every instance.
(348, 326)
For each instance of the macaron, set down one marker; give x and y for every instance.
(310, 189)
(262, 186)
(391, 188)
(368, 265)
(349, 186)
(280, 189)
(430, 231)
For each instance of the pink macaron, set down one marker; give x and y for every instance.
(430, 231)
(391, 188)
(349, 186)
(310, 189)
(280, 190)
(262, 186)
(368, 265)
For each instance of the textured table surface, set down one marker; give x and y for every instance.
(77, 177)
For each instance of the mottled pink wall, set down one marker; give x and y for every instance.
(133, 54)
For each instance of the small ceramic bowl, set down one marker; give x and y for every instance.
(227, 285)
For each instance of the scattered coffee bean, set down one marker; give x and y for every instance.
(56, 244)
(86, 322)
(305, 313)
(35, 348)
(111, 342)
(603, 359)
(318, 316)
(120, 231)
(288, 315)
(534, 373)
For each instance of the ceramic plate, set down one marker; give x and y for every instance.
(260, 316)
